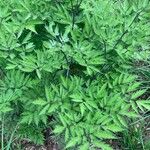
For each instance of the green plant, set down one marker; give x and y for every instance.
(68, 66)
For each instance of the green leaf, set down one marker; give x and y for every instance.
(58, 129)
(102, 90)
(114, 128)
(62, 119)
(31, 28)
(138, 94)
(143, 103)
(130, 114)
(72, 142)
(133, 86)
(145, 3)
(134, 106)
(104, 135)
(66, 135)
(53, 108)
(85, 146)
(76, 98)
(47, 93)
(38, 72)
(31, 25)
(40, 102)
(6, 109)
(11, 66)
(102, 145)
(122, 120)
(92, 103)
(44, 110)
(82, 108)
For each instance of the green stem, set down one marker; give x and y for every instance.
(11, 138)
(140, 120)
(2, 134)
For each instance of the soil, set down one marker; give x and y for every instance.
(50, 146)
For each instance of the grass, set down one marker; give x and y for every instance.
(136, 136)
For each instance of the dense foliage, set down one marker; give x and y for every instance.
(67, 66)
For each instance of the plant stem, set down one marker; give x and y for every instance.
(11, 137)
(126, 31)
(140, 120)
(2, 134)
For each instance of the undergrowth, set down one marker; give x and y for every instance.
(71, 67)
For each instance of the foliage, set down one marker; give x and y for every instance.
(68, 66)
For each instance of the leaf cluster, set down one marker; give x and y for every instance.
(68, 66)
